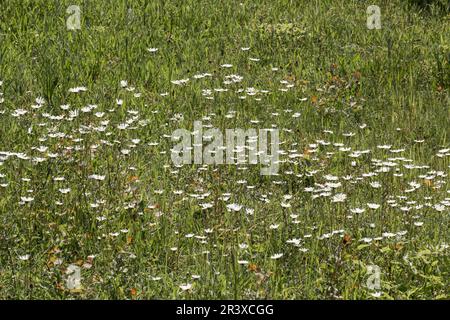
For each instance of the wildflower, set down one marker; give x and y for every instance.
(186, 287)
(339, 197)
(234, 207)
(77, 89)
(377, 294)
(97, 177)
(26, 199)
(180, 82)
(276, 256)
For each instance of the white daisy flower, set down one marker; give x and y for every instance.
(276, 256)
(186, 287)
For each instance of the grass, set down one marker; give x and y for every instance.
(144, 222)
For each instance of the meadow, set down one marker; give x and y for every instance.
(359, 208)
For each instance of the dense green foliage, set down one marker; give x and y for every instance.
(144, 228)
